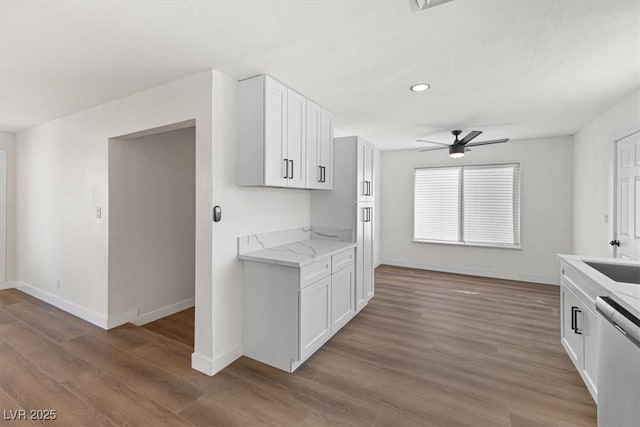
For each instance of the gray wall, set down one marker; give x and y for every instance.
(151, 221)
(592, 162)
(546, 212)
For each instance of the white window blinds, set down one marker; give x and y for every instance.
(468, 205)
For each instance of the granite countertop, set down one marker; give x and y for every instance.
(625, 294)
(298, 254)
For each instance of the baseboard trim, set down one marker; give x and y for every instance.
(116, 320)
(9, 284)
(77, 310)
(213, 366)
(202, 363)
(164, 311)
(474, 272)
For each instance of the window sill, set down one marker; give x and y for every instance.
(477, 245)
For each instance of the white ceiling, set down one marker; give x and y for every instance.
(518, 69)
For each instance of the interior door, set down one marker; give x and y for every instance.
(296, 136)
(628, 197)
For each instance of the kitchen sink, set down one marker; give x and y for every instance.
(618, 272)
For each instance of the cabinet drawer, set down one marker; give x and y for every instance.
(342, 260)
(314, 272)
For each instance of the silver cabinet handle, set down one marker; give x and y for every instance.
(291, 176)
(286, 165)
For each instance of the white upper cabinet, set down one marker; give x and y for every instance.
(284, 140)
(319, 147)
(276, 170)
(295, 154)
(365, 153)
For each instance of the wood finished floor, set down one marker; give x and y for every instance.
(432, 349)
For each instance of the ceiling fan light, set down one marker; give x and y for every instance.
(456, 151)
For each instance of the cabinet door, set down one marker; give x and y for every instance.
(368, 254)
(314, 173)
(275, 138)
(326, 149)
(296, 136)
(342, 298)
(360, 174)
(368, 172)
(590, 337)
(361, 300)
(315, 316)
(571, 339)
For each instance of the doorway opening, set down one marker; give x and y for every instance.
(152, 223)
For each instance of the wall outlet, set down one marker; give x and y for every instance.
(98, 212)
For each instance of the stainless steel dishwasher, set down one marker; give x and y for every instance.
(618, 366)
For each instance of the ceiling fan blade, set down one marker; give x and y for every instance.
(493, 141)
(431, 149)
(471, 135)
(431, 142)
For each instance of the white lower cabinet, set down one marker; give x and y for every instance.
(343, 306)
(579, 328)
(315, 316)
(290, 312)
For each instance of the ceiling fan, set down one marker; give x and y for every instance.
(460, 146)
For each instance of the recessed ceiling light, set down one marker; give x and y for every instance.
(420, 87)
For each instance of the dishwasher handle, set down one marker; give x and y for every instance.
(624, 321)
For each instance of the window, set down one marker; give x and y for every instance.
(471, 205)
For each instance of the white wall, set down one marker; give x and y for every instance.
(546, 212)
(245, 210)
(591, 159)
(61, 177)
(152, 198)
(377, 233)
(7, 144)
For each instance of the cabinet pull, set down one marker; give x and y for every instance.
(320, 172)
(574, 320)
(291, 172)
(364, 188)
(286, 165)
(364, 214)
(324, 174)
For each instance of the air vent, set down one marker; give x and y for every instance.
(418, 5)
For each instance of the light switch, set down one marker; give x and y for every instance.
(98, 212)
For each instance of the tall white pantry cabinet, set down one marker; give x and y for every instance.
(351, 206)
